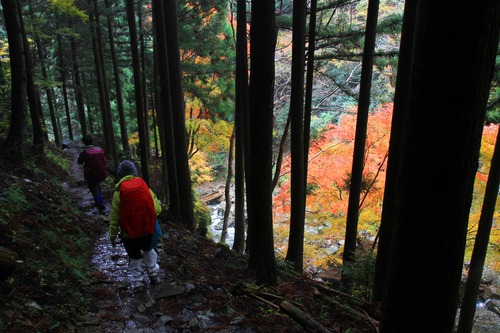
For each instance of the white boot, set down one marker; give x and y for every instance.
(135, 269)
(152, 267)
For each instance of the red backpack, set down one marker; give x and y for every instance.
(137, 209)
(96, 164)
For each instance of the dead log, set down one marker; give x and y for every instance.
(7, 263)
(302, 318)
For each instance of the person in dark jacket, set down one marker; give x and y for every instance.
(94, 169)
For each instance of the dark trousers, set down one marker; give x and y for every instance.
(95, 189)
(133, 246)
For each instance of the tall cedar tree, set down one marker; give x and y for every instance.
(395, 146)
(241, 112)
(165, 108)
(16, 138)
(118, 85)
(62, 73)
(178, 115)
(295, 251)
(78, 88)
(33, 98)
(471, 290)
(439, 164)
(139, 99)
(104, 101)
(261, 256)
(351, 232)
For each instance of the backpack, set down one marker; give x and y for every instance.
(96, 164)
(137, 209)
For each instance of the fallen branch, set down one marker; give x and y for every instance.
(352, 313)
(304, 319)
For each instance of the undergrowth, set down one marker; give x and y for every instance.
(42, 226)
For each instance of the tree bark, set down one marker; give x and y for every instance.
(118, 85)
(471, 291)
(139, 99)
(165, 108)
(16, 137)
(349, 256)
(439, 164)
(261, 257)
(295, 253)
(395, 151)
(241, 109)
(178, 115)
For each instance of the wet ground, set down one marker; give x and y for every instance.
(176, 304)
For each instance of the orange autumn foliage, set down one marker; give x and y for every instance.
(329, 168)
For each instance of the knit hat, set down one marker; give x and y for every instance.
(126, 168)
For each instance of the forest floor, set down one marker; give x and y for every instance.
(70, 279)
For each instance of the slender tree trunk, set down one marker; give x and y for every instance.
(471, 291)
(103, 102)
(78, 89)
(62, 73)
(108, 124)
(165, 100)
(178, 115)
(309, 89)
(438, 167)
(138, 90)
(49, 93)
(395, 152)
(34, 107)
(281, 152)
(118, 85)
(227, 190)
(261, 257)
(351, 233)
(143, 76)
(240, 112)
(16, 138)
(295, 253)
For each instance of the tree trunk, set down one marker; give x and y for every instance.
(165, 101)
(395, 151)
(16, 138)
(295, 253)
(78, 89)
(241, 106)
(439, 164)
(49, 92)
(178, 115)
(261, 257)
(33, 99)
(62, 73)
(138, 91)
(481, 244)
(349, 256)
(118, 85)
(227, 190)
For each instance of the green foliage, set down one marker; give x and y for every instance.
(68, 7)
(207, 51)
(202, 214)
(12, 201)
(362, 272)
(58, 159)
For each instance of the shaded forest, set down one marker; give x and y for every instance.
(356, 139)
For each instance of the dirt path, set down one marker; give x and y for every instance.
(173, 305)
